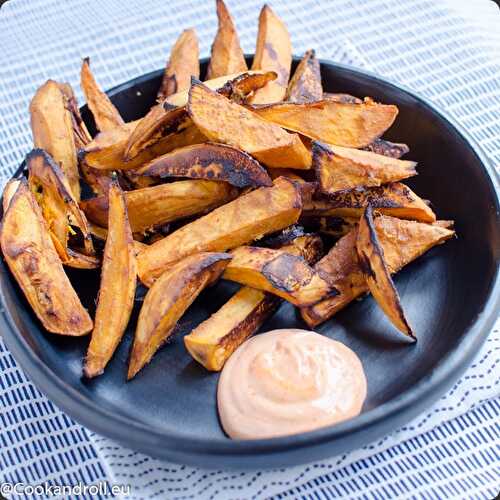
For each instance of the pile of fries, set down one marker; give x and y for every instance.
(260, 156)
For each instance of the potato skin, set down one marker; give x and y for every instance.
(387, 148)
(210, 161)
(305, 84)
(377, 275)
(245, 219)
(167, 300)
(33, 260)
(402, 242)
(117, 289)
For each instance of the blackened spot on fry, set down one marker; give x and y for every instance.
(287, 272)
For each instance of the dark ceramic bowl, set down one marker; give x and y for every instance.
(451, 296)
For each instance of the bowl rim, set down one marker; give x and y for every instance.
(147, 438)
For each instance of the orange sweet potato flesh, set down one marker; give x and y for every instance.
(377, 275)
(395, 199)
(52, 128)
(343, 124)
(402, 242)
(305, 84)
(182, 65)
(32, 258)
(241, 221)
(339, 169)
(156, 205)
(167, 300)
(278, 272)
(60, 209)
(117, 289)
(272, 53)
(106, 116)
(210, 161)
(226, 56)
(221, 120)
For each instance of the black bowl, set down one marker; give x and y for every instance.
(451, 296)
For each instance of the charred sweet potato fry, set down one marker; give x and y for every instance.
(272, 53)
(224, 121)
(245, 219)
(60, 209)
(340, 169)
(377, 275)
(52, 127)
(32, 258)
(226, 56)
(279, 273)
(117, 290)
(106, 116)
(339, 123)
(240, 88)
(394, 199)
(387, 148)
(402, 242)
(346, 98)
(212, 342)
(184, 63)
(210, 161)
(305, 84)
(167, 300)
(157, 205)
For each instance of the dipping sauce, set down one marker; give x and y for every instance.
(289, 381)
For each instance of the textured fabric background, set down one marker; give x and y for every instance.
(449, 51)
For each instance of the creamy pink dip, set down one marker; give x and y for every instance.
(289, 381)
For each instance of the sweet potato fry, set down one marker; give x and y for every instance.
(245, 219)
(339, 169)
(117, 290)
(184, 63)
(402, 242)
(279, 273)
(106, 116)
(167, 300)
(305, 84)
(101, 234)
(212, 342)
(210, 161)
(224, 121)
(8, 192)
(60, 210)
(387, 148)
(272, 53)
(394, 199)
(157, 205)
(377, 276)
(52, 127)
(33, 260)
(339, 123)
(226, 56)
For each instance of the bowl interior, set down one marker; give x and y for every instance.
(443, 293)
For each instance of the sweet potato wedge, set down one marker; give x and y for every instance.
(117, 289)
(305, 84)
(157, 205)
(52, 127)
(340, 169)
(278, 272)
(226, 55)
(210, 161)
(376, 273)
(402, 242)
(273, 52)
(387, 148)
(60, 210)
(106, 116)
(32, 258)
(339, 123)
(184, 63)
(212, 342)
(339, 97)
(394, 199)
(245, 219)
(167, 300)
(226, 122)
(101, 234)
(8, 192)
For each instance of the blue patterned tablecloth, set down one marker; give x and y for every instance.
(449, 51)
